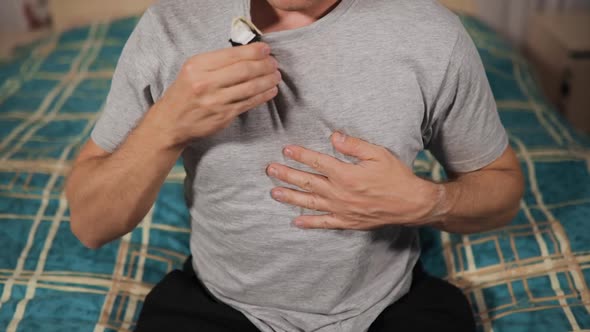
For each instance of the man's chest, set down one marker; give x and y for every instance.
(376, 97)
(380, 106)
(372, 100)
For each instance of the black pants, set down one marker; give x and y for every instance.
(180, 302)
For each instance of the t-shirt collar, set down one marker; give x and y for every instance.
(285, 36)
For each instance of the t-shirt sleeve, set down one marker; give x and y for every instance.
(467, 133)
(130, 94)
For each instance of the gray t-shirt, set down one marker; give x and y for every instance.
(403, 74)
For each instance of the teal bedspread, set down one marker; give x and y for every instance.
(530, 276)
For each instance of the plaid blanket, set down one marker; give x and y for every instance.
(530, 276)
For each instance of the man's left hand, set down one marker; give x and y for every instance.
(376, 191)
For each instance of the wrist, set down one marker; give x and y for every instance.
(436, 203)
(156, 126)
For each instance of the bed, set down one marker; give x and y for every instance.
(530, 276)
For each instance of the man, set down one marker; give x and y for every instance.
(327, 114)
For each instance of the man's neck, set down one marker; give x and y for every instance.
(271, 19)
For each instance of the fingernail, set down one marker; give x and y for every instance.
(273, 172)
(279, 76)
(288, 153)
(266, 50)
(340, 137)
(298, 223)
(275, 62)
(277, 195)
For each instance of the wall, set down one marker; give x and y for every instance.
(11, 16)
(23, 15)
(67, 13)
(510, 17)
(464, 6)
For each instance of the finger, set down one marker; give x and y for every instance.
(309, 182)
(305, 200)
(322, 163)
(249, 89)
(252, 102)
(328, 221)
(243, 71)
(228, 56)
(356, 147)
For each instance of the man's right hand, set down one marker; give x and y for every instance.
(212, 89)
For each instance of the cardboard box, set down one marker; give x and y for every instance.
(559, 47)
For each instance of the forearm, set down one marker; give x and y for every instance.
(110, 195)
(479, 201)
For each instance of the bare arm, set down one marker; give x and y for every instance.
(482, 200)
(109, 194)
